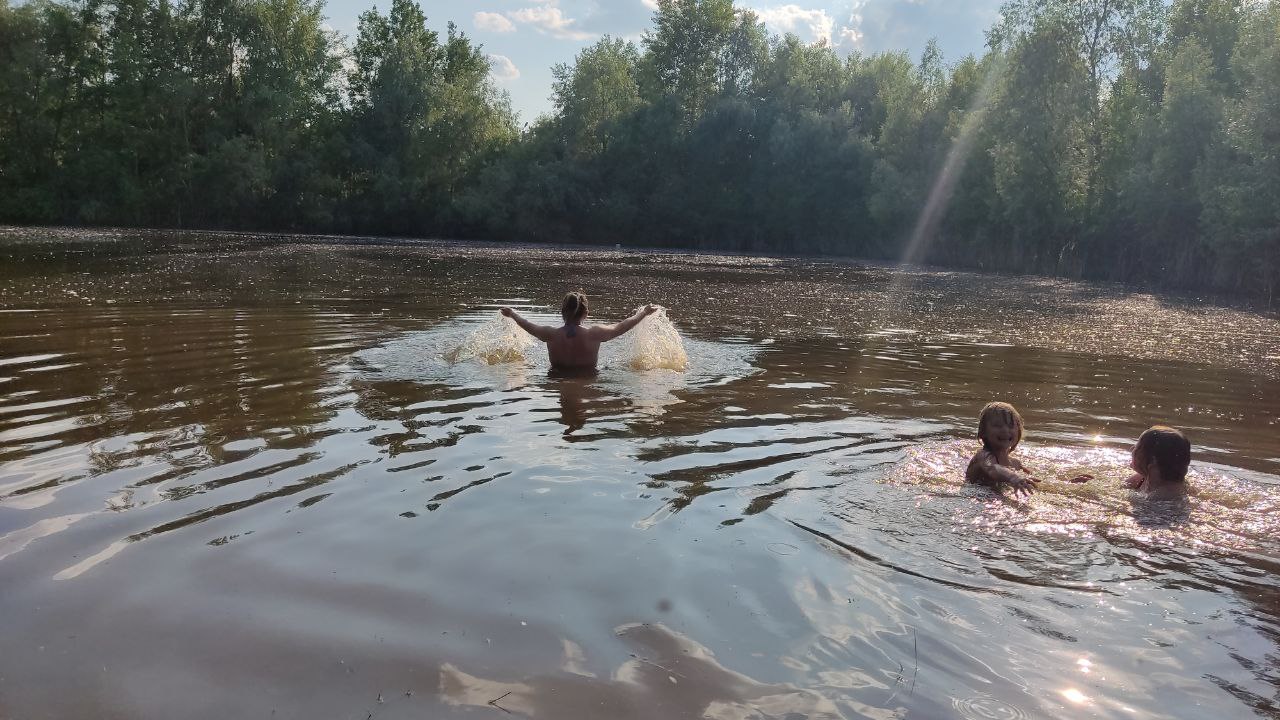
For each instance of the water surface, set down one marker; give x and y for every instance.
(250, 476)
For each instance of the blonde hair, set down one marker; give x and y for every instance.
(574, 306)
(1002, 411)
(1169, 448)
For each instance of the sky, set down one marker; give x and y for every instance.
(525, 38)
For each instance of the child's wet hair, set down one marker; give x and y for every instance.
(1002, 411)
(1169, 448)
(574, 306)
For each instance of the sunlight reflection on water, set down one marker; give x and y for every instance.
(1221, 512)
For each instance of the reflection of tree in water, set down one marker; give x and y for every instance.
(230, 374)
(180, 389)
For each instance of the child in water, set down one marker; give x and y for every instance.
(1160, 461)
(1000, 430)
(572, 347)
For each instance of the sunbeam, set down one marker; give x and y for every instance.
(926, 227)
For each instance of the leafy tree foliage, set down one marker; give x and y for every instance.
(222, 113)
(1131, 140)
(592, 96)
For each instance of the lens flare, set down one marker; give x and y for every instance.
(944, 184)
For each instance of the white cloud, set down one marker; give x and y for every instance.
(850, 36)
(502, 69)
(651, 4)
(814, 23)
(493, 22)
(550, 20)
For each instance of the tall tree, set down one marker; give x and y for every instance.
(422, 110)
(686, 54)
(1102, 34)
(1042, 165)
(595, 93)
(1241, 182)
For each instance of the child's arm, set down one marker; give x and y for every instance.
(985, 470)
(542, 332)
(609, 332)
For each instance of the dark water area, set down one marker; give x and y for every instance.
(250, 476)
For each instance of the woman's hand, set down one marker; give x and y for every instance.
(650, 309)
(506, 311)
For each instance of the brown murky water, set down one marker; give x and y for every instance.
(240, 478)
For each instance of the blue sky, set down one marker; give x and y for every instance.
(526, 37)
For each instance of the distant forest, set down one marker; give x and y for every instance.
(1129, 140)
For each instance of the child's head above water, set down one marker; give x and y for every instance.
(574, 307)
(1000, 427)
(1167, 448)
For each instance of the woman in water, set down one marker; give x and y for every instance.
(572, 346)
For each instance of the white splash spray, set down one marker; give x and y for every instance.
(654, 344)
(497, 340)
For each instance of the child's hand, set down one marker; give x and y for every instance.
(1023, 485)
(650, 309)
(1134, 482)
(1080, 479)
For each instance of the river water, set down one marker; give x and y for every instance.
(248, 476)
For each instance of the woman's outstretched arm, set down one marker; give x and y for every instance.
(542, 332)
(609, 332)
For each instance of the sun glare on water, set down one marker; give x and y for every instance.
(1075, 695)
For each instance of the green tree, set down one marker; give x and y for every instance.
(1103, 35)
(1042, 165)
(1240, 186)
(595, 93)
(686, 54)
(422, 112)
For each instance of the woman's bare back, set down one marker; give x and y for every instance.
(574, 348)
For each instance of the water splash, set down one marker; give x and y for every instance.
(653, 358)
(1223, 512)
(496, 341)
(654, 344)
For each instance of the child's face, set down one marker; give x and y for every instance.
(1001, 434)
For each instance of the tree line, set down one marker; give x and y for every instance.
(1127, 140)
